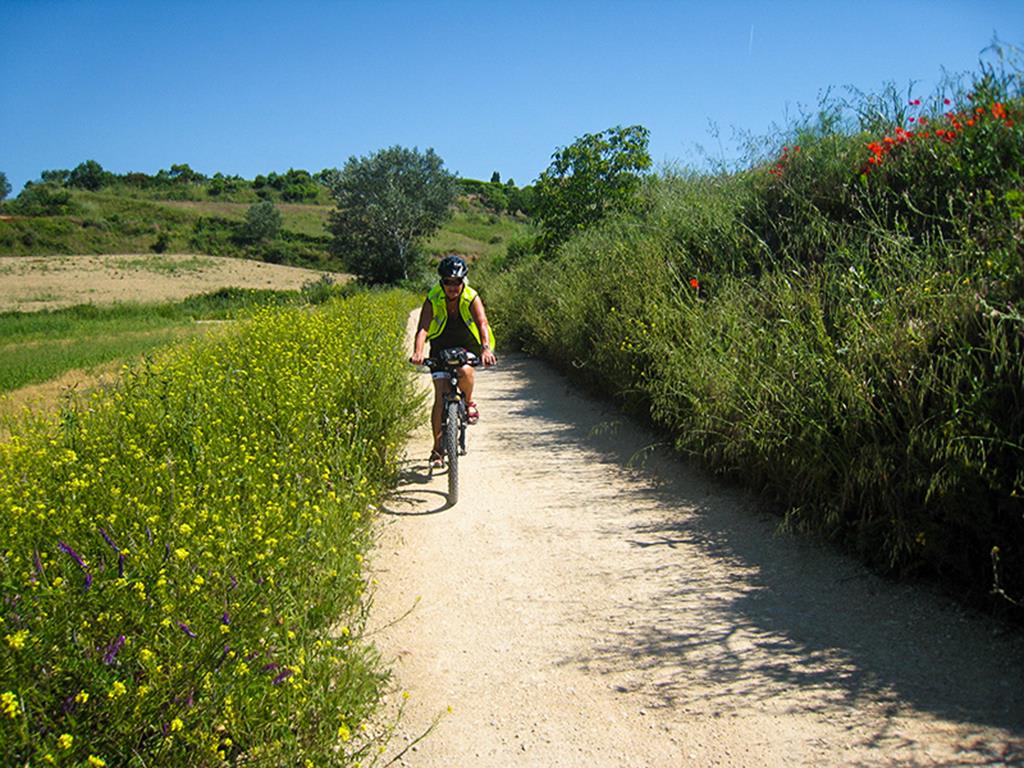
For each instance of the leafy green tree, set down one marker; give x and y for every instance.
(88, 175)
(5, 186)
(262, 222)
(182, 173)
(387, 204)
(57, 176)
(495, 178)
(596, 174)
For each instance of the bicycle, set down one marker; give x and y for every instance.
(454, 417)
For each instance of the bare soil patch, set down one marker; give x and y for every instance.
(31, 283)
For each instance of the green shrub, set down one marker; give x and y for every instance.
(838, 327)
(43, 200)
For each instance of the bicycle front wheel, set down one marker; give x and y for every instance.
(451, 446)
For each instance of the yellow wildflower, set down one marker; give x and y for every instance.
(65, 741)
(116, 690)
(17, 640)
(176, 724)
(9, 704)
(96, 762)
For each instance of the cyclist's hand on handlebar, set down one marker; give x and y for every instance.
(417, 358)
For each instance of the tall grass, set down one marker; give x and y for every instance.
(181, 569)
(837, 325)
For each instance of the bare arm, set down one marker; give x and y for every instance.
(426, 315)
(476, 309)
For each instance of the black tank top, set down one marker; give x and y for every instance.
(455, 334)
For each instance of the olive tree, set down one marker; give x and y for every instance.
(387, 203)
(596, 174)
(262, 222)
(5, 186)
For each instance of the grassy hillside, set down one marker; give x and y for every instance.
(120, 220)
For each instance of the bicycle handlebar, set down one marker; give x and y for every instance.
(451, 359)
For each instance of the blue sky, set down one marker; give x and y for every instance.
(252, 87)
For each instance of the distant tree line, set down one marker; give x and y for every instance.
(181, 181)
(498, 197)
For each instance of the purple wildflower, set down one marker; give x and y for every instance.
(234, 583)
(78, 561)
(283, 676)
(270, 667)
(120, 565)
(187, 629)
(110, 541)
(224, 618)
(71, 553)
(38, 562)
(111, 654)
(167, 552)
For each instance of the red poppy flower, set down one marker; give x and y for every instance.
(694, 283)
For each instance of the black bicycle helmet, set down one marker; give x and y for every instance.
(452, 266)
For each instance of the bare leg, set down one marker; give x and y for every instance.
(440, 388)
(466, 380)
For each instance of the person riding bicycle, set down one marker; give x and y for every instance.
(453, 316)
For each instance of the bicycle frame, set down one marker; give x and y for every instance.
(453, 411)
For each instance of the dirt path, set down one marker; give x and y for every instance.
(573, 611)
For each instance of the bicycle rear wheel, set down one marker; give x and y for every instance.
(451, 447)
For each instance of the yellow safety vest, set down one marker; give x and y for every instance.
(440, 311)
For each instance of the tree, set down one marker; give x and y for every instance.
(5, 186)
(495, 178)
(387, 204)
(88, 175)
(262, 222)
(182, 173)
(57, 176)
(596, 174)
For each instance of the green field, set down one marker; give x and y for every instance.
(39, 346)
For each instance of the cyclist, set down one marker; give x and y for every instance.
(453, 316)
